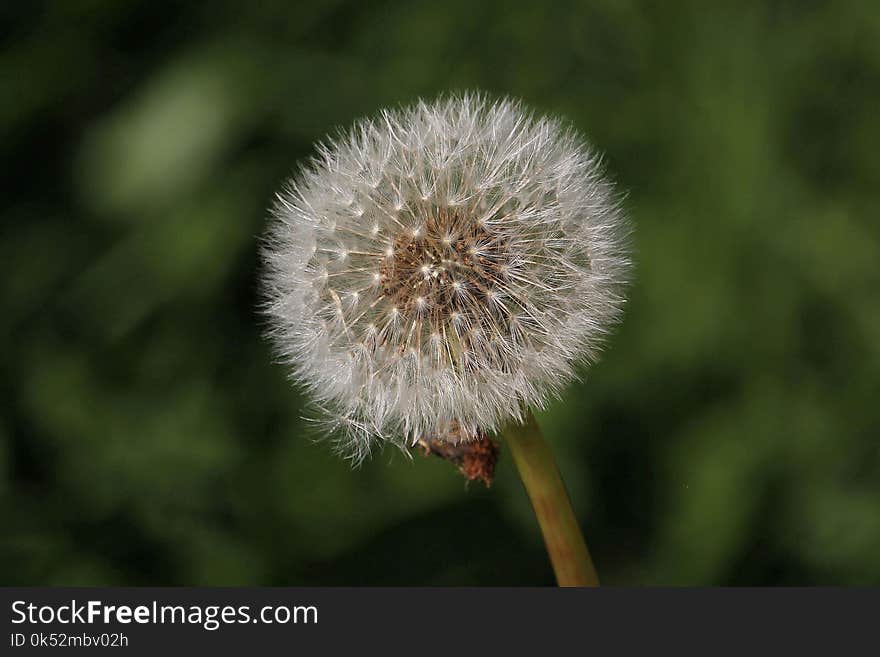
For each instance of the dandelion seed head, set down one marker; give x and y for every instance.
(483, 261)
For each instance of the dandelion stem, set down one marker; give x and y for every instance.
(551, 503)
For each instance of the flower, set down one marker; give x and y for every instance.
(436, 270)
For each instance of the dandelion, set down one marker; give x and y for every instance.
(437, 271)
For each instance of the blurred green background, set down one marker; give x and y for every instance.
(731, 434)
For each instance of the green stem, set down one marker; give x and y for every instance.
(562, 536)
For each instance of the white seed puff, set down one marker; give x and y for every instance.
(439, 268)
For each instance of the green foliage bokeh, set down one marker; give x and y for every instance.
(730, 435)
